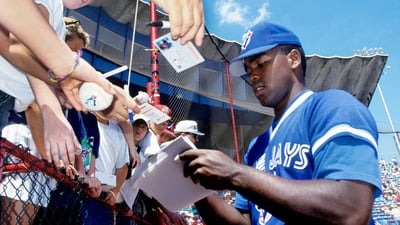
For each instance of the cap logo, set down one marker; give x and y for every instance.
(246, 38)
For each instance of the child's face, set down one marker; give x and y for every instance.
(139, 132)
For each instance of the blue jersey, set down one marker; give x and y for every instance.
(303, 145)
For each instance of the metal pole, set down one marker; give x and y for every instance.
(154, 57)
(390, 119)
(374, 51)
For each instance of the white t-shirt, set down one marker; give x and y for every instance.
(149, 146)
(113, 149)
(14, 81)
(32, 187)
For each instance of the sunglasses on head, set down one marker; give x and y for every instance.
(73, 22)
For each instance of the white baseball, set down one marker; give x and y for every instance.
(142, 97)
(93, 97)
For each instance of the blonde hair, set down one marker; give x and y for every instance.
(74, 28)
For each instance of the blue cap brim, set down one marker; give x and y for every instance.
(236, 66)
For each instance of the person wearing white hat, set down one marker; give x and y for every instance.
(148, 143)
(188, 128)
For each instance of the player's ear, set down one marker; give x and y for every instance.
(294, 58)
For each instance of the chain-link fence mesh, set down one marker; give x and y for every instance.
(32, 191)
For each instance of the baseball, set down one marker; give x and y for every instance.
(93, 97)
(141, 98)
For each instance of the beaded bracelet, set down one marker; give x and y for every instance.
(57, 80)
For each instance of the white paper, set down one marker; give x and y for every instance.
(161, 177)
(153, 114)
(181, 57)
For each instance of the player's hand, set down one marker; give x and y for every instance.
(211, 168)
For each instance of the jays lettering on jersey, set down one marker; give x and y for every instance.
(324, 135)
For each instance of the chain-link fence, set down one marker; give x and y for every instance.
(33, 191)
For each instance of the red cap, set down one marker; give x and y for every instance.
(170, 130)
(165, 109)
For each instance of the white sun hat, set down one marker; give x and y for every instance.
(187, 126)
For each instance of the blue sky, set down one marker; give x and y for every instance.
(328, 28)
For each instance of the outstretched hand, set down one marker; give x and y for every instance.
(118, 111)
(59, 138)
(186, 18)
(68, 94)
(85, 72)
(94, 186)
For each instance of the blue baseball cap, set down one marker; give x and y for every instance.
(260, 38)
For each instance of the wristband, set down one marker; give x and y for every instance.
(57, 80)
(112, 193)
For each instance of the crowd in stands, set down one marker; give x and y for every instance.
(192, 216)
(387, 207)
